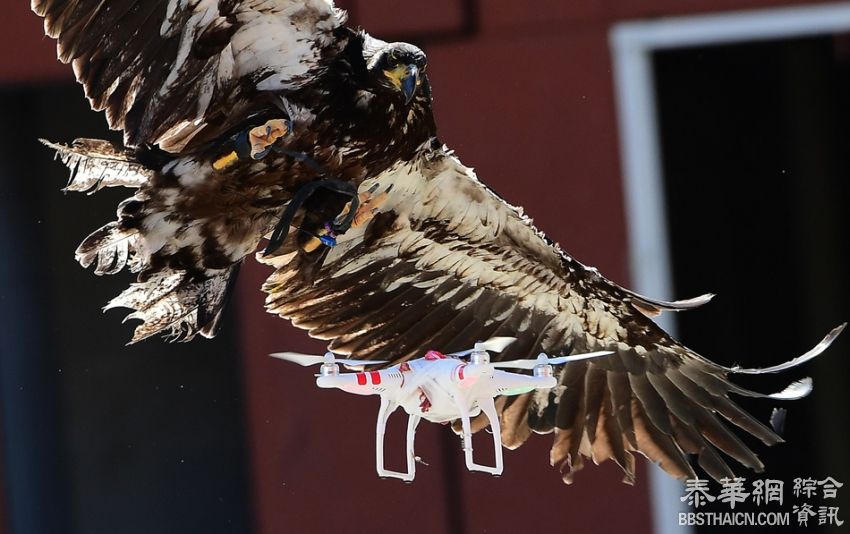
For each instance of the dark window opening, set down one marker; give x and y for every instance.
(756, 155)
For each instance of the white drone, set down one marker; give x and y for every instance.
(439, 388)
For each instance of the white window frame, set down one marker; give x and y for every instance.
(632, 45)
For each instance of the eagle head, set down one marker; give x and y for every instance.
(399, 68)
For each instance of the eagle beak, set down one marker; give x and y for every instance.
(405, 78)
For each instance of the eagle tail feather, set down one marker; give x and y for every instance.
(95, 164)
(111, 248)
(177, 304)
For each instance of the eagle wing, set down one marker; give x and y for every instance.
(163, 70)
(442, 261)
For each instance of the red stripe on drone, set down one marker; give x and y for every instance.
(376, 377)
(361, 379)
(460, 372)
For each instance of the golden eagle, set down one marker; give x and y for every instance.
(251, 118)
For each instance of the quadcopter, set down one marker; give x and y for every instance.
(439, 388)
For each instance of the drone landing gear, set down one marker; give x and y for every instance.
(489, 408)
(388, 407)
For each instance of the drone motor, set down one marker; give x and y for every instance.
(543, 370)
(329, 369)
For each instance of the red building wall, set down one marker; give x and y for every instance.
(528, 101)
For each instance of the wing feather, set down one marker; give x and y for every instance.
(594, 385)
(445, 262)
(164, 70)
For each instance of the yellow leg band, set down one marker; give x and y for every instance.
(225, 161)
(312, 244)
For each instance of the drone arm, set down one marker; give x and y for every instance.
(387, 407)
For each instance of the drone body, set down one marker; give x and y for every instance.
(440, 388)
(431, 387)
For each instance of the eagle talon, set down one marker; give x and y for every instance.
(368, 208)
(282, 228)
(255, 142)
(264, 136)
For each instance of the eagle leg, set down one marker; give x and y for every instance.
(282, 228)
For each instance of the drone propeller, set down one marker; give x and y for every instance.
(543, 359)
(314, 359)
(494, 344)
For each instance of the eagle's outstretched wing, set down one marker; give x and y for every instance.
(163, 70)
(434, 258)
(444, 262)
